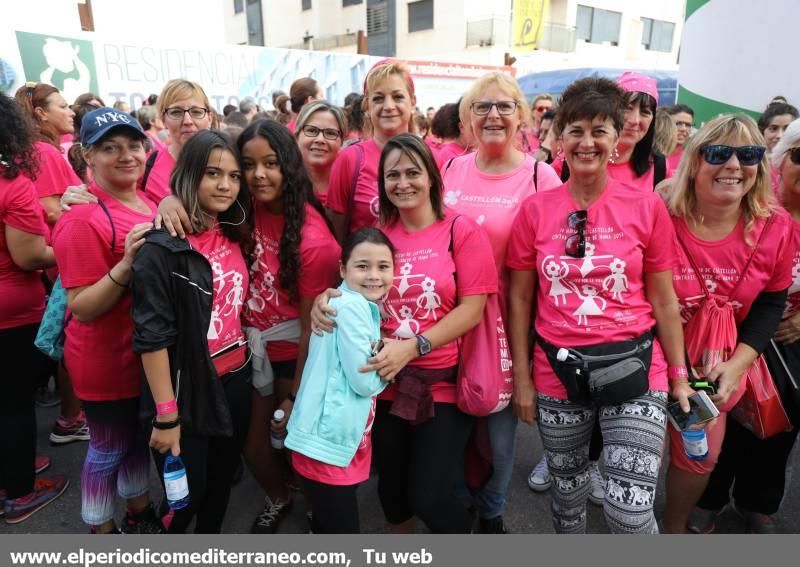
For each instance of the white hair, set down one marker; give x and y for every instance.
(790, 139)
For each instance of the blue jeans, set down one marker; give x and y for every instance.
(491, 500)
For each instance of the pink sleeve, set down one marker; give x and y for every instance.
(475, 266)
(521, 252)
(340, 184)
(55, 175)
(23, 211)
(320, 268)
(659, 254)
(82, 254)
(546, 177)
(782, 274)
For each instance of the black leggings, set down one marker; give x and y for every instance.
(18, 374)
(756, 468)
(211, 462)
(334, 509)
(417, 467)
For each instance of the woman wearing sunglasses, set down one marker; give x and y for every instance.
(598, 254)
(488, 186)
(319, 131)
(728, 229)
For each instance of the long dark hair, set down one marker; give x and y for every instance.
(643, 150)
(190, 167)
(17, 155)
(295, 193)
(419, 153)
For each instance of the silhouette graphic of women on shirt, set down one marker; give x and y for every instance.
(589, 305)
(554, 273)
(617, 282)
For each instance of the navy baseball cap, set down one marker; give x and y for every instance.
(100, 122)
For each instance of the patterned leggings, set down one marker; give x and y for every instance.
(634, 441)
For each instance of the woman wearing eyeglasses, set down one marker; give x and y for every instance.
(725, 218)
(319, 130)
(489, 186)
(598, 255)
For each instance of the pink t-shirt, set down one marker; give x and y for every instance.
(356, 472)
(494, 200)
(445, 152)
(21, 292)
(599, 298)
(99, 355)
(158, 180)
(267, 302)
(424, 289)
(720, 264)
(674, 160)
(231, 279)
(55, 173)
(340, 188)
(291, 125)
(793, 301)
(527, 140)
(156, 143)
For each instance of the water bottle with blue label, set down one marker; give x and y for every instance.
(695, 444)
(176, 485)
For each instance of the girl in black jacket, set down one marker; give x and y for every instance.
(187, 301)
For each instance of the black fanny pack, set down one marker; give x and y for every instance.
(605, 374)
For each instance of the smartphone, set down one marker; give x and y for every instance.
(702, 410)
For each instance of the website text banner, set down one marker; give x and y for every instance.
(393, 551)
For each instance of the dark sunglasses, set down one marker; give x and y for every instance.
(575, 245)
(542, 108)
(718, 154)
(794, 155)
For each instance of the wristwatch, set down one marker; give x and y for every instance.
(423, 345)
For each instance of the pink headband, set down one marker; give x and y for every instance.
(383, 62)
(631, 81)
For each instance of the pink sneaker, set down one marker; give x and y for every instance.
(41, 463)
(44, 492)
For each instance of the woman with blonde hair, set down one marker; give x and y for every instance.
(728, 230)
(666, 135)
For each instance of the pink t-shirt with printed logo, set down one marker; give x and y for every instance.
(793, 301)
(99, 355)
(340, 186)
(158, 181)
(231, 281)
(494, 200)
(267, 303)
(721, 263)
(357, 471)
(599, 298)
(424, 291)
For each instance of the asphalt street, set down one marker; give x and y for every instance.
(526, 511)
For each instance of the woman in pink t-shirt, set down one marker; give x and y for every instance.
(319, 131)
(455, 138)
(489, 186)
(598, 256)
(296, 258)
(388, 105)
(95, 245)
(302, 92)
(188, 297)
(23, 251)
(729, 229)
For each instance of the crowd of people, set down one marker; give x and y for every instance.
(303, 278)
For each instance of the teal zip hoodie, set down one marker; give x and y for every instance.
(333, 404)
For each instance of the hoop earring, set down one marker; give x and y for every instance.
(244, 216)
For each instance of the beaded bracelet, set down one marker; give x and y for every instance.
(166, 407)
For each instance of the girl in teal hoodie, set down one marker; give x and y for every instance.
(329, 428)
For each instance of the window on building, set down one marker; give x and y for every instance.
(657, 35)
(377, 18)
(238, 6)
(420, 16)
(306, 4)
(594, 25)
(346, 3)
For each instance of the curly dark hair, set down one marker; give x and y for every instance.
(17, 154)
(295, 193)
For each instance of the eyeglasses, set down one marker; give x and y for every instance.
(718, 154)
(328, 133)
(177, 113)
(575, 245)
(794, 155)
(504, 107)
(542, 108)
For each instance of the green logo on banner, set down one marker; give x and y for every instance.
(66, 63)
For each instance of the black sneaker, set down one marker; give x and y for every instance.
(493, 525)
(114, 531)
(143, 522)
(268, 521)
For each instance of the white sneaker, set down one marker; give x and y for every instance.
(539, 479)
(598, 492)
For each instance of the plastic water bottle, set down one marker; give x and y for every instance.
(277, 437)
(176, 484)
(695, 444)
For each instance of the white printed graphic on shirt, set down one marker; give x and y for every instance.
(262, 288)
(793, 300)
(617, 282)
(589, 305)
(429, 301)
(712, 278)
(215, 327)
(555, 273)
(451, 198)
(228, 295)
(422, 300)
(375, 207)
